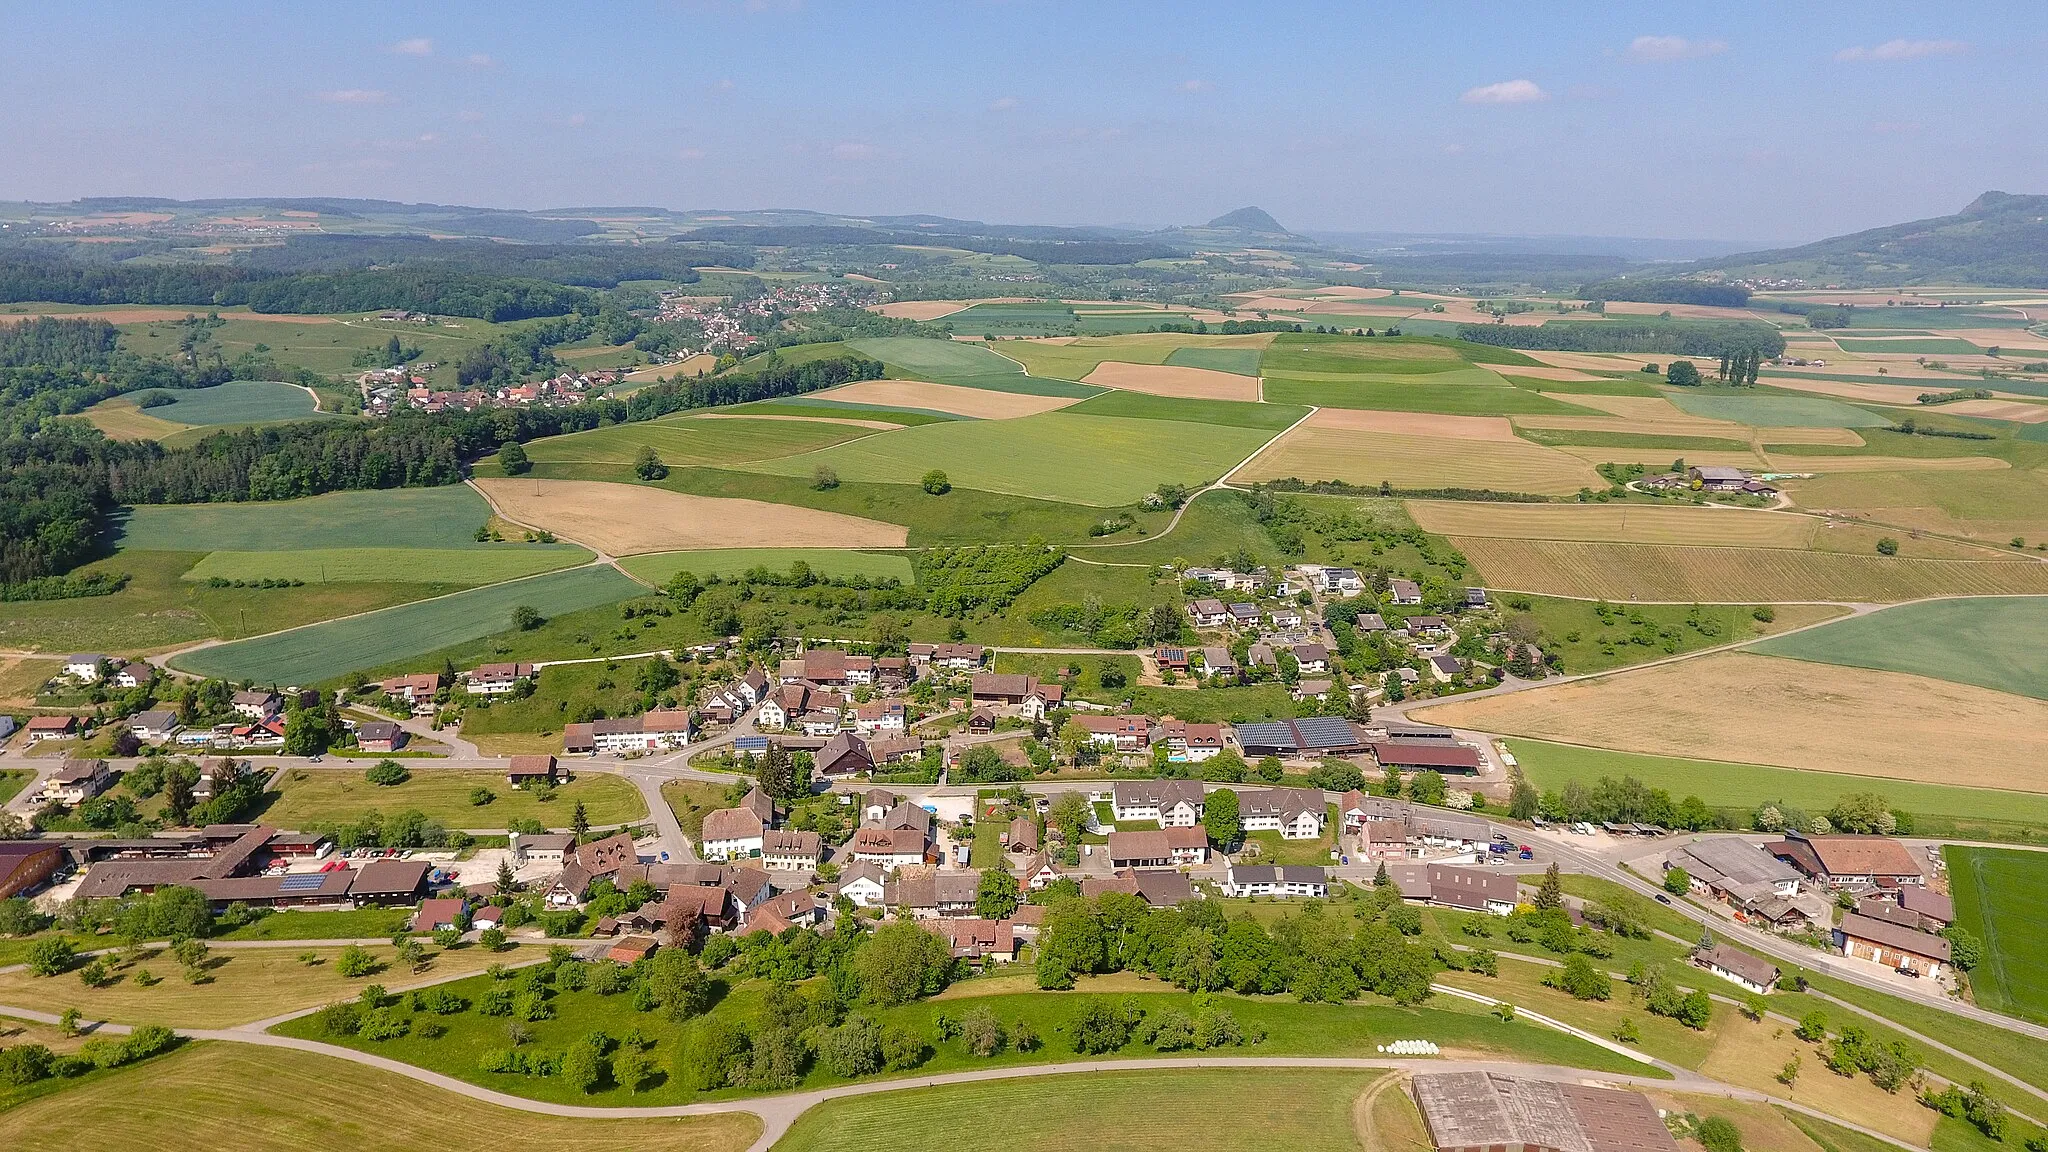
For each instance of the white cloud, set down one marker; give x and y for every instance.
(1194, 85)
(1505, 92)
(1657, 49)
(851, 150)
(1903, 50)
(1003, 104)
(356, 96)
(417, 46)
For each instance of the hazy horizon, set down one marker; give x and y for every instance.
(1738, 123)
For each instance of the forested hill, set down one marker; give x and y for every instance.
(1999, 239)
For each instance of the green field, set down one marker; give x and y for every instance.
(1030, 319)
(658, 567)
(685, 441)
(1573, 631)
(1777, 411)
(1937, 809)
(459, 566)
(238, 402)
(1930, 346)
(311, 796)
(2001, 897)
(1237, 361)
(1457, 391)
(443, 517)
(335, 648)
(324, 344)
(373, 923)
(1276, 1109)
(1230, 413)
(814, 405)
(950, 362)
(1060, 456)
(1993, 642)
(12, 781)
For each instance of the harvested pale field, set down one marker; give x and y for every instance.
(1548, 372)
(1788, 463)
(1846, 437)
(702, 364)
(1661, 457)
(2015, 410)
(1313, 452)
(1905, 395)
(1353, 292)
(921, 309)
(1495, 428)
(124, 421)
(626, 519)
(1686, 574)
(1692, 311)
(2006, 340)
(1616, 523)
(1750, 709)
(1174, 380)
(979, 403)
(857, 422)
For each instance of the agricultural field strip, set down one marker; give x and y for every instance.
(1993, 643)
(471, 566)
(693, 440)
(1315, 453)
(443, 518)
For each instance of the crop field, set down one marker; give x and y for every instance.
(685, 441)
(1779, 411)
(817, 405)
(1640, 524)
(1283, 1110)
(1910, 346)
(1071, 359)
(1751, 709)
(951, 400)
(1993, 643)
(1035, 319)
(310, 796)
(2001, 898)
(454, 566)
(1175, 380)
(336, 647)
(965, 365)
(1990, 505)
(1460, 391)
(658, 567)
(1367, 458)
(237, 402)
(120, 419)
(1243, 361)
(209, 1096)
(626, 519)
(444, 517)
(1137, 405)
(1736, 575)
(1061, 456)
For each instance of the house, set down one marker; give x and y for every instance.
(1217, 662)
(76, 781)
(753, 687)
(534, 769)
(791, 908)
(981, 723)
(497, 679)
(978, 941)
(1129, 733)
(1036, 872)
(257, 705)
(729, 833)
(708, 904)
(1474, 598)
(380, 736)
(417, 690)
(951, 657)
(1208, 612)
(1189, 743)
(267, 734)
(935, 894)
(1156, 887)
(1444, 669)
(1031, 698)
(1427, 626)
(1312, 689)
(1173, 660)
(876, 804)
(1403, 593)
(439, 914)
(1845, 861)
(1021, 835)
(134, 676)
(889, 847)
(1295, 813)
(1158, 848)
(863, 883)
(1173, 803)
(1342, 581)
(1758, 976)
(1894, 946)
(1410, 755)
(819, 724)
(51, 728)
(895, 749)
(647, 732)
(788, 850)
(1261, 656)
(84, 666)
(1244, 615)
(878, 716)
(542, 847)
(1478, 1110)
(1284, 618)
(1311, 658)
(844, 755)
(1241, 880)
(153, 726)
(1311, 736)
(1472, 889)
(1371, 622)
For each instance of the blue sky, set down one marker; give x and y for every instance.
(1762, 122)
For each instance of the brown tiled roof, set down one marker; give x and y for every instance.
(731, 824)
(1863, 855)
(1894, 936)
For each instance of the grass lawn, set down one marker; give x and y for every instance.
(1078, 459)
(1238, 705)
(691, 801)
(343, 924)
(1282, 1109)
(443, 517)
(1088, 685)
(1274, 850)
(1216, 524)
(1600, 890)
(1993, 642)
(2001, 897)
(453, 566)
(1521, 983)
(684, 441)
(333, 649)
(247, 984)
(1574, 631)
(1972, 813)
(558, 692)
(308, 796)
(659, 567)
(1778, 411)
(237, 402)
(951, 362)
(12, 781)
(208, 1096)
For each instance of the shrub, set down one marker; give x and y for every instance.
(52, 956)
(355, 961)
(935, 482)
(1718, 1134)
(387, 773)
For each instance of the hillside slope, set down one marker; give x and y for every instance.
(1999, 239)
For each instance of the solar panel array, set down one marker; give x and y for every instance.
(302, 882)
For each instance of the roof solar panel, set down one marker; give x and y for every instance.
(301, 882)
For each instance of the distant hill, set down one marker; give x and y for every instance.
(1249, 220)
(1998, 240)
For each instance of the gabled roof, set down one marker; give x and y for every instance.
(731, 824)
(1894, 936)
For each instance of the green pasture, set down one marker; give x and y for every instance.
(1634, 384)
(1777, 411)
(444, 517)
(838, 563)
(238, 402)
(824, 408)
(323, 344)
(1929, 346)
(1994, 642)
(1457, 390)
(334, 648)
(965, 365)
(1983, 813)
(1035, 319)
(1237, 361)
(685, 441)
(1076, 360)
(1099, 324)
(1095, 460)
(458, 566)
(1231, 413)
(2001, 897)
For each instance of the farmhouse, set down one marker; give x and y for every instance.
(951, 657)
(1472, 889)
(1031, 698)
(1845, 861)
(1932, 907)
(1173, 803)
(1734, 869)
(978, 941)
(644, 733)
(76, 781)
(845, 754)
(788, 850)
(731, 832)
(497, 679)
(1295, 813)
(878, 716)
(1478, 1111)
(1240, 880)
(935, 893)
(1310, 736)
(1156, 887)
(1892, 945)
(1758, 976)
(889, 847)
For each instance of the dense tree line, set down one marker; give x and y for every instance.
(1650, 335)
(46, 340)
(963, 580)
(1668, 291)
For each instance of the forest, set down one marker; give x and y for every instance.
(1668, 291)
(1676, 337)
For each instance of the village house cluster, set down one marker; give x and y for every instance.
(386, 390)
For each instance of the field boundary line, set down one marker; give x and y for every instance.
(1222, 482)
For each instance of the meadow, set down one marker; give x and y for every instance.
(840, 563)
(1242, 361)
(1993, 643)
(1232, 414)
(1991, 505)
(1574, 631)
(822, 407)
(451, 566)
(308, 797)
(238, 402)
(1777, 411)
(1033, 319)
(1318, 451)
(324, 344)
(965, 365)
(208, 1096)
(1457, 391)
(1911, 346)
(2001, 897)
(443, 517)
(1075, 359)
(1059, 456)
(336, 647)
(685, 441)
(121, 419)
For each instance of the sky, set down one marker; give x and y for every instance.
(1770, 123)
